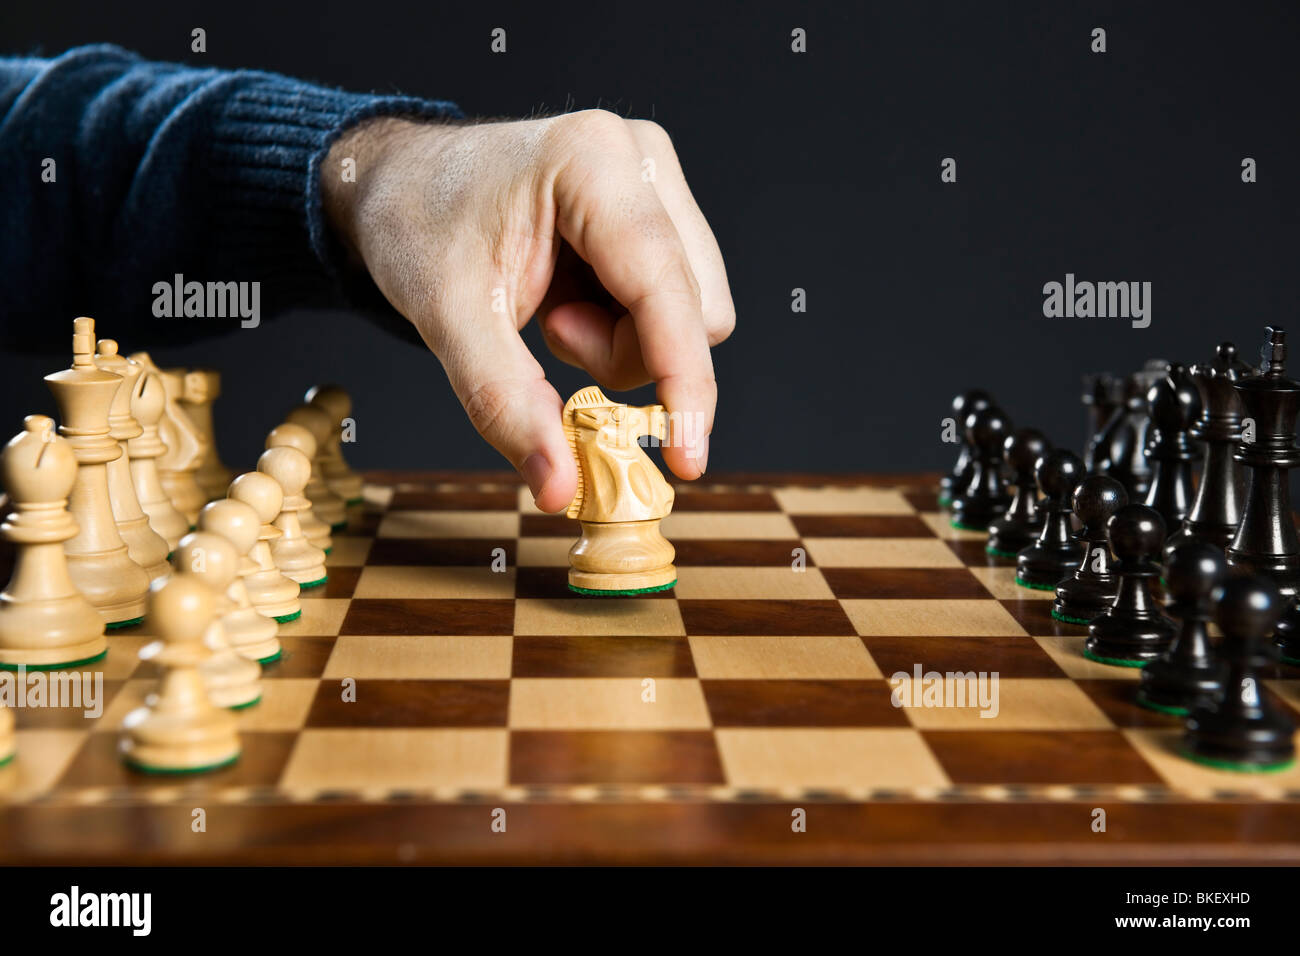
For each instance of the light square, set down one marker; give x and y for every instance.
(606, 704)
(321, 617)
(881, 553)
(934, 617)
(42, 757)
(1001, 583)
(830, 758)
(1162, 749)
(782, 584)
(842, 501)
(783, 658)
(1017, 704)
(941, 525)
(413, 657)
(420, 581)
(348, 552)
(397, 759)
(1067, 651)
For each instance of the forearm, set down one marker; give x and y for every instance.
(159, 169)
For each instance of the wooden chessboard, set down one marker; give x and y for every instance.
(478, 689)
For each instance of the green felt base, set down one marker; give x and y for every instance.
(1034, 587)
(1161, 708)
(4, 666)
(989, 549)
(271, 658)
(595, 593)
(327, 551)
(252, 703)
(1240, 767)
(944, 501)
(286, 618)
(175, 772)
(341, 526)
(1069, 620)
(170, 555)
(131, 623)
(961, 525)
(1112, 661)
(4, 761)
(355, 501)
(314, 584)
(1291, 660)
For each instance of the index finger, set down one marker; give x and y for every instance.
(617, 224)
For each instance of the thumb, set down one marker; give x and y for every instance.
(510, 403)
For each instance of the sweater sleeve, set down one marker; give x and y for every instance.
(118, 174)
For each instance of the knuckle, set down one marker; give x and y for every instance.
(721, 322)
(651, 132)
(486, 407)
(588, 129)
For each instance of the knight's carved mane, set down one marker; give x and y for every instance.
(590, 397)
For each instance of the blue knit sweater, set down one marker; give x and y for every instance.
(161, 169)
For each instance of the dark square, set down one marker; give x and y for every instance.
(412, 703)
(342, 583)
(1035, 616)
(861, 526)
(703, 500)
(440, 552)
(300, 657)
(466, 500)
(713, 552)
(453, 616)
(618, 757)
(747, 617)
(548, 526)
(593, 656)
(46, 717)
(951, 583)
(1039, 757)
(802, 703)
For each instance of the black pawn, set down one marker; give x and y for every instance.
(962, 406)
(985, 495)
(1057, 552)
(1133, 631)
(1174, 405)
(1019, 527)
(1217, 510)
(1092, 589)
(1188, 675)
(1241, 730)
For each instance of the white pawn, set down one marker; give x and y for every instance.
(44, 620)
(232, 680)
(249, 633)
(327, 506)
(148, 401)
(8, 739)
(179, 729)
(296, 436)
(294, 555)
(337, 404)
(273, 594)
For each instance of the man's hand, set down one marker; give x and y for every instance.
(584, 220)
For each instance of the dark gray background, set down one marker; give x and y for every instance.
(818, 171)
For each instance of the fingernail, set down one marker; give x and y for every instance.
(536, 471)
(702, 454)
